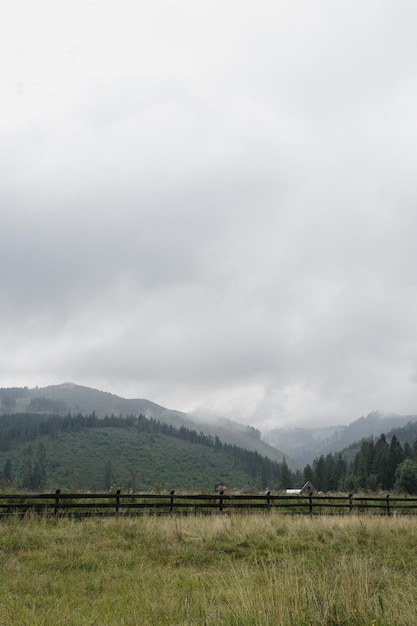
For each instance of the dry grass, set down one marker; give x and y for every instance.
(237, 570)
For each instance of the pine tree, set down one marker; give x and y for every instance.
(395, 457)
(107, 475)
(286, 476)
(381, 462)
(308, 474)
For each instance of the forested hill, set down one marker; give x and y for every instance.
(388, 462)
(71, 398)
(306, 444)
(87, 452)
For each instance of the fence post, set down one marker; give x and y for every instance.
(268, 500)
(221, 500)
(118, 500)
(310, 498)
(388, 508)
(350, 502)
(171, 504)
(57, 492)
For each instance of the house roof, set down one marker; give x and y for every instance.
(248, 488)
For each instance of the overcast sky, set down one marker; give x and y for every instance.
(212, 205)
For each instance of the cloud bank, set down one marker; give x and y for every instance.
(212, 206)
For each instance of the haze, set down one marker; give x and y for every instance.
(212, 205)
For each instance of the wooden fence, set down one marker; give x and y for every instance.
(60, 504)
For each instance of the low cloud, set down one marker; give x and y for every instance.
(215, 214)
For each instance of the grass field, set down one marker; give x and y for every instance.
(233, 570)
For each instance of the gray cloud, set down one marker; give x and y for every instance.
(212, 207)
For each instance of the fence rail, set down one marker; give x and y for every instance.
(60, 504)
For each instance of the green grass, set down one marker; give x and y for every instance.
(234, 570)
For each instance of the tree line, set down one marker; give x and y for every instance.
(377, 465)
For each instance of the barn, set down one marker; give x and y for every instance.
(307, 489)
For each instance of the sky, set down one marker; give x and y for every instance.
(212, 205)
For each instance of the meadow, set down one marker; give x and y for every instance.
(241, 570)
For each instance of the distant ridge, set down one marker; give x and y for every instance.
(306, 444)
(79, 398)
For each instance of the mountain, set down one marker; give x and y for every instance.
(299, 445)
(303, 444)
(71, 398)
(306, 444)
(44, 452)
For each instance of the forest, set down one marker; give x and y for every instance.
(377, 465)
(27, 461)
(148, 449)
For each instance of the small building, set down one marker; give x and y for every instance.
(249, 489)
(307, 489)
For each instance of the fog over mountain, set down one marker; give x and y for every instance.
(212, 206)
(71, 399)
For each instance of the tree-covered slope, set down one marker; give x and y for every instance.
(305, 444)
(50, 452)
(387, 462)
(71, 398)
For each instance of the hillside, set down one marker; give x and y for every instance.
(387, 462)
(83, 461)
(87, 452)
(71, 398)
(306, 444)
(406, 436)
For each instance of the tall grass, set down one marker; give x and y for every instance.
(232, 570)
